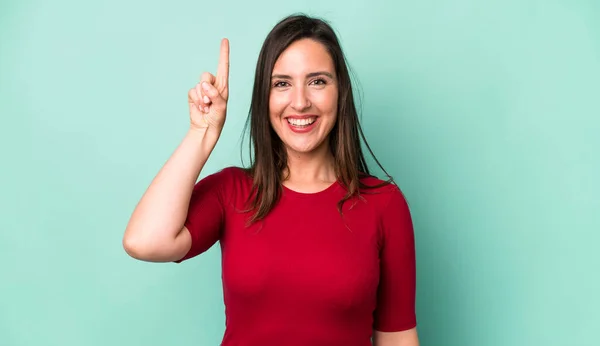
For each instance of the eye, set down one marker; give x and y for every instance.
(319, 81)
(280, 84)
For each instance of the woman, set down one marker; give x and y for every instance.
(314, 250)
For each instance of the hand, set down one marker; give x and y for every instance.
(208, 99)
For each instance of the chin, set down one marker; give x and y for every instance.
(309, 148)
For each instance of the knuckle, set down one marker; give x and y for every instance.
(210, 90)
(192, 94)
(206, 77)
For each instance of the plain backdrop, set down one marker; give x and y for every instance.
(485, 112)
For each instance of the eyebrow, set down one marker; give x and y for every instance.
(312, 74)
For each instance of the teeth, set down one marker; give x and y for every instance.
(301, 122)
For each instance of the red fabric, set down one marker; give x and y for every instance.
(306, 275)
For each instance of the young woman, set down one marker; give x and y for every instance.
(315, 251)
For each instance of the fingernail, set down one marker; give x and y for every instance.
(206, 99)
(204, 86)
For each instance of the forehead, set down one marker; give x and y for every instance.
(302, 57)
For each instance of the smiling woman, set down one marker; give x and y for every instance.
(315, 250)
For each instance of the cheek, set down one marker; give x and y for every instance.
(276, 108)
(272, 109)
(326, 101)
(277, 103)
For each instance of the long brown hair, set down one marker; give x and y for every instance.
(267, 153)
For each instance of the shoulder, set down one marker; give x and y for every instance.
(233, 172)
(391, 207)
(223, 181)
(231, 184)
(228, 175)
(371, 185)
(383, 195)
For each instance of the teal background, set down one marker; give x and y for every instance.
(486, 113)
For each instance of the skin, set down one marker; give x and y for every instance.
(404, 338)
(304, 82)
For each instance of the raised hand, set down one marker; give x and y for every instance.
(208, 99)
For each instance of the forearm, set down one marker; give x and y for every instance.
(403, 338)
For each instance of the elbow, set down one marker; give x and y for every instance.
(132, 247)
(148, 247)
(137, 247)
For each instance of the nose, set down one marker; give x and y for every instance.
(300, 100)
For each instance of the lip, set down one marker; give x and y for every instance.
(305, 129)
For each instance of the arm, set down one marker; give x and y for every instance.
(403, 338)
(156, 231)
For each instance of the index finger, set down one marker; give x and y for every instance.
(223, 68)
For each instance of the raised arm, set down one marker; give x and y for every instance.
(156, 231)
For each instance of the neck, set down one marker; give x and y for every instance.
(313, 167)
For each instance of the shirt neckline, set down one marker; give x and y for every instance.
(328, 190)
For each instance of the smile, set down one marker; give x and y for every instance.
(301, 122)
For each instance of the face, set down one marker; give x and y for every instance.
(303, 97)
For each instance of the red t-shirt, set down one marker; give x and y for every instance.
(306, 275)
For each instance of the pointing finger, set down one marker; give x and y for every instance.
(223, 68)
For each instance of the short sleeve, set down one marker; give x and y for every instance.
(397, 286)
(205, 214)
